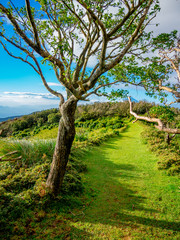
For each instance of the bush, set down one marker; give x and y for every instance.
(169, 153)
(22, 185)
(162, 112)
(110, 122)
(40, 122)
(53, 118)
(19, 125)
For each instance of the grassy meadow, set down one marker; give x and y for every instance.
(121, 183)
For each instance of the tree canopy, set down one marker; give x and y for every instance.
(157, 68)
(72, 35)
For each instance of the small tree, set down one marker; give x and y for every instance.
(68, 35)
(156, 67)
(154, 74)
(168, 47)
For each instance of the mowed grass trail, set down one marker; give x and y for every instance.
(132, 199)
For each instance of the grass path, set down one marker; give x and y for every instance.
(132, 199)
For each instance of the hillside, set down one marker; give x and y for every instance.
(113, 187)
(8, 118)
(28, 125)
(120, 195)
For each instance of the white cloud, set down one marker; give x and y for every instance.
(30, 94)
(27, 99)
(54, 84)
(168, 18)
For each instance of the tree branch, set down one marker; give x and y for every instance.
(160, 125)
(76, 15)
(20, 58)
(100, 86)
(168, 89)
(10, 159)
(126, 17)
(92, 81)
(94, 17)
(57, 94)
(34, 46)
(31, 19)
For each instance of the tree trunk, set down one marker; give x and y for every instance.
(66, 134)
(168, 139)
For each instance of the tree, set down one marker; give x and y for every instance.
(155, 74)
(164, 69)
(160, 115)
(168, 46)
(155, 67)
(68, 35)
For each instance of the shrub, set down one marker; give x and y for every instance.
(162, 112)
(22, 185)
(40, 122)
(110, 122)
(80, 137)
(19, 125)
(53, 118)
(169, 153)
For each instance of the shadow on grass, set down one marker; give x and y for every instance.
(115, 203)
(107, 201)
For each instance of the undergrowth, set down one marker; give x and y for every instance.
(169, 154)
(22, 182)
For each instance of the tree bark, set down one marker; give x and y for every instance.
(169, 138)
(66, 134)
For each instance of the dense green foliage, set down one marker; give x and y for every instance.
(164, 113)
(105, 122)
(30, 125)
(169, 154)
(24, 125)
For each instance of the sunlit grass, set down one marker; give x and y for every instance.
(126, 197)
(133, 200)
(46, 134)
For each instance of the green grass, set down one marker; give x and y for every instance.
(84, 136)
(133, 200)
(46, 134)
(125, 197)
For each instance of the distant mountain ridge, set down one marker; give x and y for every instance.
(9, 118)
(132, 100)
(12, 117)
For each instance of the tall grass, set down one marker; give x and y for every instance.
(22, 182)
(32, 152)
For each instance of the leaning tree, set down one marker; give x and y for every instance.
(69, 36)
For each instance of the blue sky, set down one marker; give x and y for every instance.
(22, 91)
